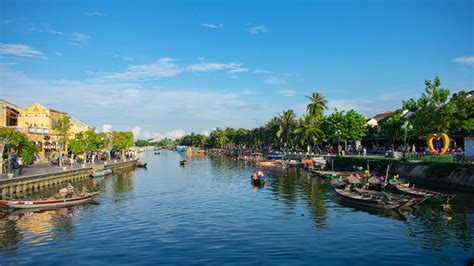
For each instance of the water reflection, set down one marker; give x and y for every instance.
(167, 209)
(37, 227)
(123, 182)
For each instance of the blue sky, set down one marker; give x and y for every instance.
(163, 68)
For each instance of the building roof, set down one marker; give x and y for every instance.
(78, 123)
(8, 104)
(382, 116)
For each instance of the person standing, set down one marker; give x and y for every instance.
(20, 165)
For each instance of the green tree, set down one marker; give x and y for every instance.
(393, 127)
(462, 120)
(141, 143)
(18, 142)
(432, 111)
(345, 126)
(308, 132)
(286, 125)
(122, 141)
(317, 106)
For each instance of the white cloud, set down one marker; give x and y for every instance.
(257, 29)
(261, 71)
(163, 67)
(135, 131)
(96, 14)
(238, 70)
(175, 134)
(287, 93)
(106, 128)
(212, 26)
(126, 103)
(250, 92)
(45, 28)
(121, 57)
(58, 53)
(232, 68)
(212, 66)
(20, 50)
(79, 37)
(467, 60)
(275, 80)
(205, 132)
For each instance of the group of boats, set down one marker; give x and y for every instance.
(385, 194)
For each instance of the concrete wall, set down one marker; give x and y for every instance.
(446, 176)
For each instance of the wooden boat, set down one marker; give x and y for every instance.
(140, 164)
(258, 182)
(157, 153)
(183, 162)
(50, 203)
(269, 163)
(404, 188)
(101, 173)
(371, 198)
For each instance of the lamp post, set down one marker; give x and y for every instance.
(406, 127)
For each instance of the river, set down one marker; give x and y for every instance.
(207, 212)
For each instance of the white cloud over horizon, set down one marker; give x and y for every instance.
(21, 50)
(163, 67)
(466, 60)
(96, 14)
(212, 26)
(45, 28)
(257, 29)
(287, 93)
(275, 81)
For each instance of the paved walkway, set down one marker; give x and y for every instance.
(46, 167)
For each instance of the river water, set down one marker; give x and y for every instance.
(208, 213)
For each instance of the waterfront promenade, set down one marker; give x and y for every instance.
(48, 168)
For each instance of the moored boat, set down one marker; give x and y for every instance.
(101, 173)
(140, 164)
(258, 182)
(49, 203)
(370, 198)
(183, 162)
(404, 188)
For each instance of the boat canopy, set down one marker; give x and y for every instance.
(276, 156)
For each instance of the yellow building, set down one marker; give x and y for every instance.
(8, 114)
(38, 122)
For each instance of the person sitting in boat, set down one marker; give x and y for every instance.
(255, 176)
(260, 175)
(70, 190)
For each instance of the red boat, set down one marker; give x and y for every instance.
(140, 164)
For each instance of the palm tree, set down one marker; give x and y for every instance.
(308, 132)
(286, 122)
(317, 105)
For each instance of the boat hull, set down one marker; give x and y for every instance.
(258, 182)
(359, 200)
(47, 204)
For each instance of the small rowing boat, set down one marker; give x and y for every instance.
(49, 203)
(183, 162)
(404, 188)
(258, 182)
(101, 173)
(140, 164)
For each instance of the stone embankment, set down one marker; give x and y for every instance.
(12, 187)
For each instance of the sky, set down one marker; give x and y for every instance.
(167, 68)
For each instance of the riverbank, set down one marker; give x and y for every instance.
(441, 175)
(49, 175)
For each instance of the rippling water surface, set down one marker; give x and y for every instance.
(208, 213)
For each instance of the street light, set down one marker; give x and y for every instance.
(406, 126)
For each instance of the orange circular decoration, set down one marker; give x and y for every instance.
(438, 136)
